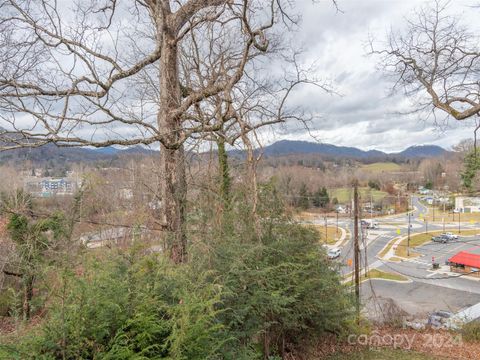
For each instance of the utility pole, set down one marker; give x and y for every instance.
(356, 248)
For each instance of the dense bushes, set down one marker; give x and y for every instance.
(250, 290)
(280, 291)
(471, 331)
(123, 309)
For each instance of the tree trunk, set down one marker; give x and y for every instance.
(173, 187)
(27, 296)
(224, 173)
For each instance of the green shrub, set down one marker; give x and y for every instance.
(471, 331)
(249, 291)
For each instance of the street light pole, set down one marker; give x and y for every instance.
(443, 215)
(326, 229)
(459, 230)
(356, 249)
(408, 241)
(433, 209)
(337, 223)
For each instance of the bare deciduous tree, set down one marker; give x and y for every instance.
(101, 73)
(437, 60)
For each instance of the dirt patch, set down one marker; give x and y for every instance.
(438, 344)
(7, 325)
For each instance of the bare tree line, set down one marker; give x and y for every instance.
(101, 73)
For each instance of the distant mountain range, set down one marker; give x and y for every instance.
(288, 147)
(53, 153)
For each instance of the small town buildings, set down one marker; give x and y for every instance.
(466, 262)
(423, 191)
(467, 204)
(341, 209)
(47, 186)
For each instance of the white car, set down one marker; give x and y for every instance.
(334, 253)
(451, 235)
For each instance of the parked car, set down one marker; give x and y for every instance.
(369, 224)
(440, 239)
(334, 253)
(451, 235)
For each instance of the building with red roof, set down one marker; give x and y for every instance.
(465, 262)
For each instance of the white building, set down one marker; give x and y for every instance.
(467, 204)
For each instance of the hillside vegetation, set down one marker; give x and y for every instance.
(381, 166)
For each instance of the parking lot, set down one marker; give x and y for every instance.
(428, 290)
(415, 299)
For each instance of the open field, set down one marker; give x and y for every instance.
(330, 232)
(381, 167)
(344, 195)
(449, 216)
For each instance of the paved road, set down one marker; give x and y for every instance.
(428, 290)
(415, 298)
(388, 230)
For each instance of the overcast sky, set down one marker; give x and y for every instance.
(366, 114)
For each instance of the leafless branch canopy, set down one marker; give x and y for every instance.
(438, 57)
(86, 73)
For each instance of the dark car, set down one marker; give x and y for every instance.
(440, 239)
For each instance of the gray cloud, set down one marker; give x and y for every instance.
(366, 115)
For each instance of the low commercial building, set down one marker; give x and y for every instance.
(466, 262)
(467, 204)
(46, 187)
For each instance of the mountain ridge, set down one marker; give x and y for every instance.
(51, 152)
(291, 147)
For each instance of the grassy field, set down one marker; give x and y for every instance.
(381, 167)
(378, 274)
(344, 195)
(381, 354)
(331, 231)
(420, 239)
(449, 217)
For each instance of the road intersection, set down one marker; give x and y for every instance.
(429, 290)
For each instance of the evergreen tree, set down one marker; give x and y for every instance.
(303, 197)
(471, 167)
(321, 198)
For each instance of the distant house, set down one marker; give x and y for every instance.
(46, 187)
(424, 191)
(466, 262)
(428, 200)
(467, 204)
(341, 209)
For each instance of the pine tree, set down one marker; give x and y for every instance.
(303, 197)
